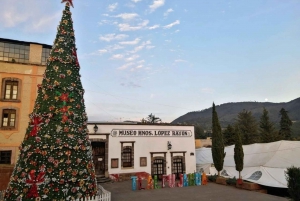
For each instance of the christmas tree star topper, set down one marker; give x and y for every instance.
(68, 1)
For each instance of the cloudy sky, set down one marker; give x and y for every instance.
(170, 57)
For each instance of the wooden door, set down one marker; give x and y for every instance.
(99, 157)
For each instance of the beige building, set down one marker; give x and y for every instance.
(203, 142)
(22, 65)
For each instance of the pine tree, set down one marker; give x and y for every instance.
(55, 161)
(266, 128)
(285, 131)
(248, 126)
(229, 136)
(217, 142)
(238, 152)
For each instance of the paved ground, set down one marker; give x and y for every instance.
(121, 191)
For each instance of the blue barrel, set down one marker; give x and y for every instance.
(133, 178)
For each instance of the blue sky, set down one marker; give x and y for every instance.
(170, 57)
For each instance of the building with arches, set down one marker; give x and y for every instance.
(125, 149)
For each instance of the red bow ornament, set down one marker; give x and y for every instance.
(34, 182)
(36, 122)
(74, 56)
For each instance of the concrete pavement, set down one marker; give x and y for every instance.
(121, 191)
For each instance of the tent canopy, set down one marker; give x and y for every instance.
(264, 163)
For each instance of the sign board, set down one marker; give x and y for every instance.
(150, 133)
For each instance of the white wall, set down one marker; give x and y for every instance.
(144, 145)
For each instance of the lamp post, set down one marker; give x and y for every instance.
(95, 128)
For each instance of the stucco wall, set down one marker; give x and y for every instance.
(29, 76)
(144, 145)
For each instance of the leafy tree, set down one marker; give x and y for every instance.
(199, 132)
(266, 128)
(153, 119)
(248, 127)
(285, 131)
(292, 175)
(229, 136)
(238, 152)
(217, 142)
(55, 161)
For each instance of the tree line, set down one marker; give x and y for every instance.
(263, 131)
(252, 131)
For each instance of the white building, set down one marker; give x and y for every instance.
(126, 149)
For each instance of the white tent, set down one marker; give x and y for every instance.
(264, 163)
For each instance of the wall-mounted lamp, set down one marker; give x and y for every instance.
(169, 145)
(95, 128)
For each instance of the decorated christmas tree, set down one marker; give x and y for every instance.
(55, 161)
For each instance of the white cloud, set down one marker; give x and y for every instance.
(110, 37)
(177, 31)
(170, 10)
(180, 60)
(140, 47)
(127, 16)
(114, 47)
(123, 67)
(140, 62)
(30, 16)
(128, 27)
(117, 56)
(156, 4)
(112, 7)
(172, 24)
(132, 58)
(133, 42)
(135, 1)
(109, 49)
(150, 47)
(44, 22)
(154, 27)
(102, 51)
(130, 84)
(139, 66)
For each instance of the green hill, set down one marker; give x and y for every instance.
(228, 112)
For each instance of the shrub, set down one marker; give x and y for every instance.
(292, 175)
(231, 181)
(212, 178)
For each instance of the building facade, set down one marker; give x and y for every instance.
(22, 65)
(156, 149)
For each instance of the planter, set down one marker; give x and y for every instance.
(239, 181)
(221, 180)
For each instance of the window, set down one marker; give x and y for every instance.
(256, 175)
(158, 168)
(5, 157)
(8, 118)
(14, 52)
(11, 90)
(127, 157)
(45, 55)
